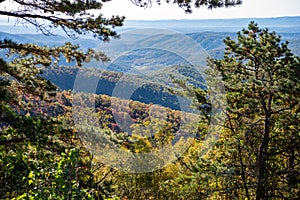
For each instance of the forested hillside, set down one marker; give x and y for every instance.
(153, 88)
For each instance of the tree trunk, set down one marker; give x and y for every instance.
(261, 160)
(243, 171)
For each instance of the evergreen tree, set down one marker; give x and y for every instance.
(257, 154)
(40, 157)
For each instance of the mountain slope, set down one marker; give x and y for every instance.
(153, 88)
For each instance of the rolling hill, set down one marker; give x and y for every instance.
(153, 88)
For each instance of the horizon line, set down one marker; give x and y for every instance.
(286, 16)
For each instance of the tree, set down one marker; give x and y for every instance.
(37, 151)
(257, 155)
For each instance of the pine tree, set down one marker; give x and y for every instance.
(40, 156)
(261, 77)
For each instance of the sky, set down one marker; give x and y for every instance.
(249, 9)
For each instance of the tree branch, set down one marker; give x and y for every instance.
(13, 141)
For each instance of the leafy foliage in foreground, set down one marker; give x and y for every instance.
(40, 157)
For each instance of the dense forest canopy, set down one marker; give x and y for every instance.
(256, 147)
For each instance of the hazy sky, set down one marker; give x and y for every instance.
(249, 9)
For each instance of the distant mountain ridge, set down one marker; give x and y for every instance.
(152, 88)
(52, 40)
(278, 24)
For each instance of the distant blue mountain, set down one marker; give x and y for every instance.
(52, 40)
(278, 24)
